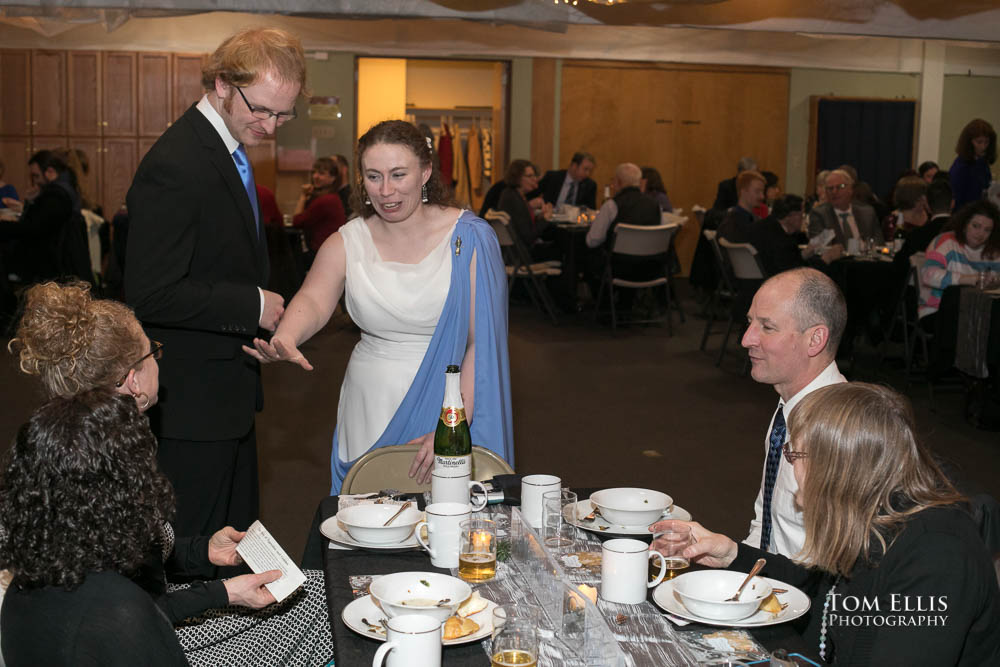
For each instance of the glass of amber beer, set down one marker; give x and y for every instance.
(515, 637)
(477, 551)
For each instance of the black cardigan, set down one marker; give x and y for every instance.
(937, 565)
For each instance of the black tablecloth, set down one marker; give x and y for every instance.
(870, 288)
(352, 649)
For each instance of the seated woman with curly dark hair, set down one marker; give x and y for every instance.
(80, 499)
(77, 344)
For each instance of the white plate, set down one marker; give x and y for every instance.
(602, 527)
(798, 604)
(364, 607)
(335, 532)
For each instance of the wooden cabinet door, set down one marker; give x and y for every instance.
(155, 112)
(187, 89)
(119, 94)
(40, 143)
(90, 183)
(618, 113)
(48, 92)
(84, 77)
(15, 152)
(262, 157)
(120, 162)
(15, 98)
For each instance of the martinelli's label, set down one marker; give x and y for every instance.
(452, 416)
(453, 466)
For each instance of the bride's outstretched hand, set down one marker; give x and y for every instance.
(276, 350)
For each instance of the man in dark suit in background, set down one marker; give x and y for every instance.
(197, 261)
(847, 218)
(571, 186)
(726, 195)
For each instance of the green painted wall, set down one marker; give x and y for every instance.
(520, 108)
(806, 82)
(333, 77)
(965, 98)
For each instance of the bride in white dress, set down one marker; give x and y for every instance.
(397, 263)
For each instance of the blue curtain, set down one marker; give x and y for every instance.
(876, 137)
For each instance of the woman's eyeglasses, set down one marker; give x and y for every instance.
(155, 351)
(791, 456)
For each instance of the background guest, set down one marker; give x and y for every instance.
(909, 196)
(819, 196)
(270, 214)
(883, 525)
(968, 253)
(778, 237)
(652, 184)
(628, 206)
(7, 191)
(927, 170)
(847, 218)
(739, 220)
(572, 185)
(51, 232)
(530, 219)
(771, 192)
(917, 237)
(727, 194)
(344, 165)
(319, 211)
(970, 172)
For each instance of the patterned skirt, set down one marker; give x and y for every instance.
(294, 632)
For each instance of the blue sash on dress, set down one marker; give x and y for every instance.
(491, 422)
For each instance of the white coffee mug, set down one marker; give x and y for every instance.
(625, 570)
(532, 489)
(456, 490)
(443, 532)
(411, 641)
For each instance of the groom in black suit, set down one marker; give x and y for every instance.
(571, 186)
(195, 270)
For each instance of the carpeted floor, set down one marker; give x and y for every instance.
(640, 409)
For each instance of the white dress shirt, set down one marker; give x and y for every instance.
(787, 530)
(598, 231)
(213, 117)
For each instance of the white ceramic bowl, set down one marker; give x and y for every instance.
(364, 523)
(631, 507)
(418, 593)
(704, 594)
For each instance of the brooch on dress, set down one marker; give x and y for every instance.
(458, 246)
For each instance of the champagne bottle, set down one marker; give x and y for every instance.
(452, 441)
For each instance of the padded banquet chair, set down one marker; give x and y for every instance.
(639, 241)
(744, 263)
(519, 264)
(387, 468)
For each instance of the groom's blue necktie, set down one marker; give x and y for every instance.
(246, 175)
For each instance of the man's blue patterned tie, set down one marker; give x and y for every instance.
(246, 175)
(777, 440)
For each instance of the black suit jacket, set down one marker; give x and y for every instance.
(194, 262)
(551, 184)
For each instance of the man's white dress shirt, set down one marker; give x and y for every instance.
(787, 530)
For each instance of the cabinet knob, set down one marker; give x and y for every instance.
(104, 123)
(34, 122)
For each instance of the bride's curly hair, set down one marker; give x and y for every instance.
(80, 491)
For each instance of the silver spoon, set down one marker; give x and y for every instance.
(402, 509)
(756, 568)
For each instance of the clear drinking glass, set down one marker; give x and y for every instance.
(477, 551)
(515, 642)
(671, 543)
(556, 531)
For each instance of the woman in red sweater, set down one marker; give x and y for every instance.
(319, 210)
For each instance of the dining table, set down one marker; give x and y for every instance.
(643, 633)
(570, 239)
(870, 284)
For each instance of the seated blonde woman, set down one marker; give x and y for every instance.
(888, 539)
(76, 344)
